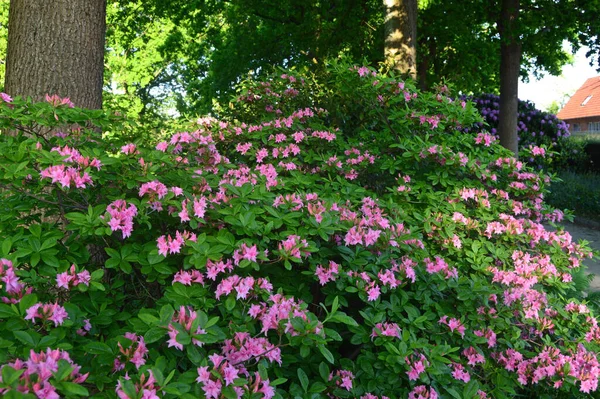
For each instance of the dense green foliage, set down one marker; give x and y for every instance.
(459, 40)
(579, 192)
(372, 250)
(193, 53)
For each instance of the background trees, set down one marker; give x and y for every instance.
(183, 57)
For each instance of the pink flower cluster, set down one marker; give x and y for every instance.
(485, 138)
(478, 195)
(459, 373)
(326, 274)
(343, 379)
(74, 156)
(213, 269)
(57, 101)
(47, 312)
(184, 317)
(245, 252)
(71, 278)
(66, 175)
(38, 370)
(154, 189)
(538, 151)
(130, 148)
(416, 365)
(243, 286)
(293, 247)
(168, 245)
(121, 216)
(6, 98)
(145, 389)
(280, 309)
(188, 277)
(12, 286)
(551, 364)
(199, 207)
(386, 330)
(473, 357)
(293, 201)
(423, 392)
(439, 265)
(489, 334)
(453, 324)
(223, 371)
(134, 353)
(243, 348)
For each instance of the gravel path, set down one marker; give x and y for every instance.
(580, 232)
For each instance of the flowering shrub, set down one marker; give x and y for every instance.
(537, 130)
(284, 251)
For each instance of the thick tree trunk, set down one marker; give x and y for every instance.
(401, 35)
(510, 66)
(56, 47)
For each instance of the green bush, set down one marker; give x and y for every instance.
(371, 250)
(579, 192)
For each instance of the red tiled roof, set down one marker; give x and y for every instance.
(574, 108)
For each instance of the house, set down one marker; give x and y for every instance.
(582, 112)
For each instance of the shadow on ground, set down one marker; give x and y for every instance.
(592, 235)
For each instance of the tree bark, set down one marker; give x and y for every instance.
(510, 67)
(401, 36)
(56, 47)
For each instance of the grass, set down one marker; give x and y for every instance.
(593, 138)
(579, 192)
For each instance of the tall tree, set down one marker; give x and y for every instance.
(510, 66)
(56, 47)
(401, 35)
(503, 34)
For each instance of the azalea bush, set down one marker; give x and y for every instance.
(369, 250)
(535, 128)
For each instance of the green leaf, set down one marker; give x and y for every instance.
(26, 302)
(230, 303)
(98, 348)
(25, 338)
(7, 311)
(97, 274)
(344, 318)
(154, 334)
(10, 375)
(113, 253)
(303, 379)
(125, 267)
(335, 305)
(262, 371)
(6, 246)
(35, 230)
(324, 371)
(229, 392)
(148, 318)
(326, 353)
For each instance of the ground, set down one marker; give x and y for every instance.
(591, 233)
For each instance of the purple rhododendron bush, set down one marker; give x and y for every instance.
(336, 237)
(535, 128)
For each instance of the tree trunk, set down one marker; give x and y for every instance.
(56, 47)
(510, 66)
(401, 35)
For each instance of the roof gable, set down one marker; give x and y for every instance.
(584, 103)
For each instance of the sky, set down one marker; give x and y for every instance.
(558, 88)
